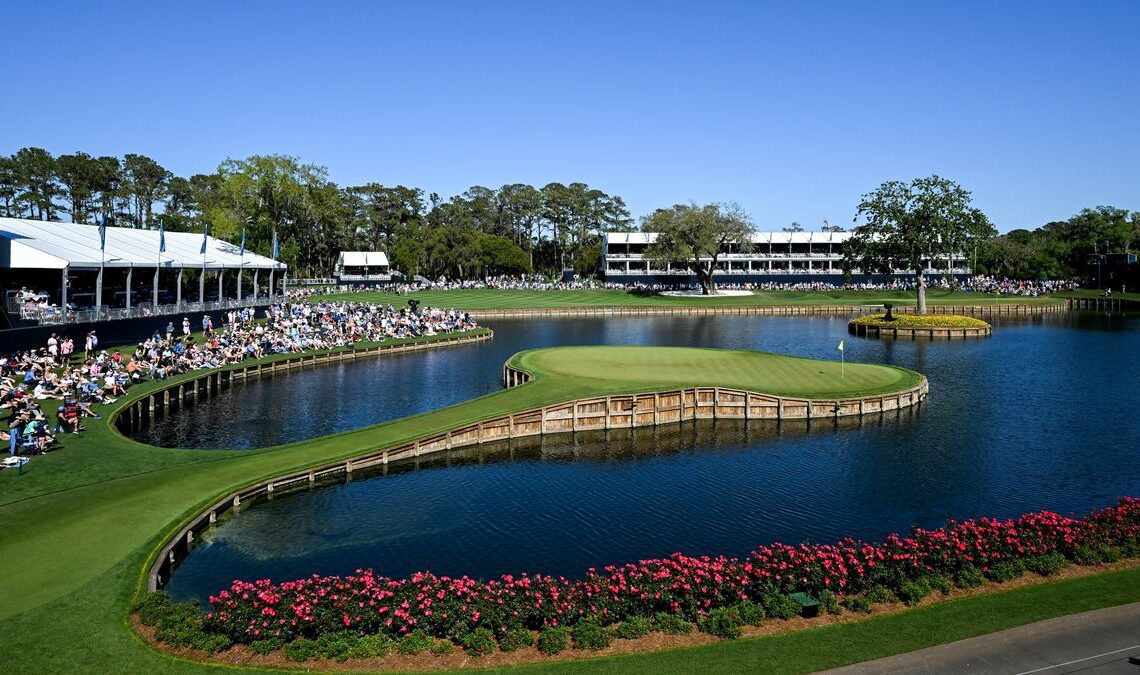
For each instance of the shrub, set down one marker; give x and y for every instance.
(181, 626)
(553, 639)
(444, 647)
(780, 606)
(912, 592)
(723, 622)
(415, 642)
(829, 602)
(858, 603)
(478, 642)
(940, 583)
(299, 650)
(153, 607)
(267, 646)
(1095, 555)
(1046, 565)
(372, 646)
(210, 642)
(1007, 570)
(336, 645)
(672, 624)
(751, 613)
(590, 635)
(634, 627)
(969, 577)
(880, 594)
(516, 638)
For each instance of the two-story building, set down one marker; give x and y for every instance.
(781, 257)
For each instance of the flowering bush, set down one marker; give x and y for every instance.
(921, 321)
(688, 588)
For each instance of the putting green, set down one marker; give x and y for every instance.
(640, 368)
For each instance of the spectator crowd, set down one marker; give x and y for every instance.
(33, 382)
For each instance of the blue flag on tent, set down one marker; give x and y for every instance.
(243, 241)
(276, 246)
(205, 236)
(161, 238)
(103, 233)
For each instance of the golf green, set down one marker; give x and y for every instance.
(641, 368)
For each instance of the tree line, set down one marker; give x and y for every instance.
(512, 229)
(1062, 249)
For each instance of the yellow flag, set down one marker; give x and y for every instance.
(841, 345)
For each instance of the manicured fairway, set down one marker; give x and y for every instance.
(663, 367)
(78, 527)
(479, 298)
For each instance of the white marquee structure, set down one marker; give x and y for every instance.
(32, 251)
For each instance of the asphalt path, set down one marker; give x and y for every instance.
(1099, 642)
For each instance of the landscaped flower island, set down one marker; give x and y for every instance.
(912, 326)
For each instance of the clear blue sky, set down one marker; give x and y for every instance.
(794, 110)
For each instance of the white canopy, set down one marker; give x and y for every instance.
(41, 244)
(363, 259)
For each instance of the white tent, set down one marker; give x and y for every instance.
(70, 247)
(41, 244)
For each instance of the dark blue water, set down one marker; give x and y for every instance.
(1043, 415)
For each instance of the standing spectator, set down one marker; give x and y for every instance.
(66, 349)
(53, 348)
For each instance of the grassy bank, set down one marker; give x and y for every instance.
(477, 299)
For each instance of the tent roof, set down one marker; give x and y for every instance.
(363, 258)
(41, 244)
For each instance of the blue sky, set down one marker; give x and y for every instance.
(793, 110)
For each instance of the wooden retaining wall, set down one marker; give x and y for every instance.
(156, 404)
(1108, 304)
(595, 413)
(915, 332)
(782, 310)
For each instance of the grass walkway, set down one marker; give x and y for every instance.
(479, 298)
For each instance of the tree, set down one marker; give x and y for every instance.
(107, 182)
(909, 224)
(696, 236)
(8, 185)
(78, 174)
(36, 182)
(146, 183)
(499, 255)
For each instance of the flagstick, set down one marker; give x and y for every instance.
(842, 363)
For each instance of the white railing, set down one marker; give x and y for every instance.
(53, 315)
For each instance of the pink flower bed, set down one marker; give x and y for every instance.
(365, 603)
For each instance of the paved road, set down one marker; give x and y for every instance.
(1099, 642)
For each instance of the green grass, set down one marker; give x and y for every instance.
(1094, 293)
(79, 526)
(486, 299)
(644, 368)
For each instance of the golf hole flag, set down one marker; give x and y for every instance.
(840, 348)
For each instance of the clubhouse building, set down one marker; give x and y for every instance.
(773, 257)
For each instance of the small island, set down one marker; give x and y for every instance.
(945, 326)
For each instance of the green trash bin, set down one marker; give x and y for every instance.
(809, 606)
